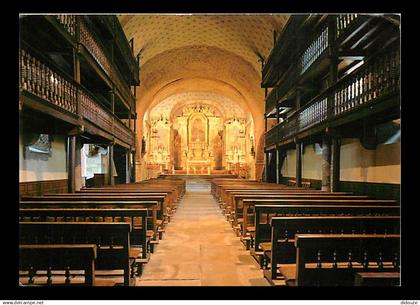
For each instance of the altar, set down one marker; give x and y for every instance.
(198, 166)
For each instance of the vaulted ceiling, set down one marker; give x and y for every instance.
(183, 56)
(249, 36)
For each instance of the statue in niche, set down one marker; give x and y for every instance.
(218, 150)
(197, 131)
(177, 150)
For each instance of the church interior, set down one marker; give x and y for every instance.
(209, 150)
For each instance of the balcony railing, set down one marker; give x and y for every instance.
(314, 50)
(123, 132)
(93, 112)
(49, 83)
(96, 50)
(92, 45)
(68, 22)
(343, 21)
(377, 78)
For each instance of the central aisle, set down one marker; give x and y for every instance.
(199, 248)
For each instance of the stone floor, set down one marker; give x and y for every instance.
(199, 248)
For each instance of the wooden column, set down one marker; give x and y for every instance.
(267, 159)
(326, 164)
(110, 162)
(127, 166)
(333, 67)
(299, 149)
(298, 97)
(133, 166)
(277, 165)
(266, 127)
(71, 162)
(335, 164)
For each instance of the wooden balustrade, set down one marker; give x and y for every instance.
(271, 136)
(90, 43)
(123, 132)
(343, 21)
(373, 80)
(92, 111)
(314, 50)
(68, 22)
(45, 82)
(377, 78)
(48, 83)
(97, 52)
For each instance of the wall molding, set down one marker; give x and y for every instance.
(371, 189)
(43, 187)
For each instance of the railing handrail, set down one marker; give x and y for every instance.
(333, 87)
(78, 87)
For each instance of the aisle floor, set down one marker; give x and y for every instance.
(199, 248)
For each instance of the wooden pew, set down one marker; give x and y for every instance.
(228, 194)
(99, 197)
(382, 279)
(163, 211)
(264, 214)
(138, 234)
(54, 257)
(154, 207)
(333, 259)
(281, 250)
(111, 239)
(248, 205)
(240, 210)
(171, 204)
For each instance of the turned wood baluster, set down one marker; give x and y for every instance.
(111, 243)
(318, 259)
(380, 261)
(49, 275)
(22, 69)
(38, 78)
(67, 275)
(31, 274)
(335, 259)
(350, 260)
(30, 74)
(365, 260)
(396, 261)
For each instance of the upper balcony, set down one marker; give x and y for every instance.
(47, 88)
(351, 37)
(115, 65)
(371, 88)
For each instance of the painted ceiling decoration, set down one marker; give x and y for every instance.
(249, 36)
(173, 104)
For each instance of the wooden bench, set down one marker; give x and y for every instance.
(242, 210)
(248, 206)
(382, 279)
(234, 198)
(137, 218)
(333, 259)
(152, 206)
(264, 214)
(281, 249)
(54, 257)
(111, 239)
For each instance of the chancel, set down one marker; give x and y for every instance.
(209, 150)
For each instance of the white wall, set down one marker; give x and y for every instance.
(54, 168)
(311, 163)
(381, 165)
